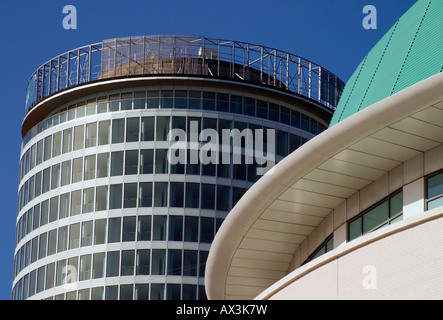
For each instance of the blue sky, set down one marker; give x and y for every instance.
(328, 32)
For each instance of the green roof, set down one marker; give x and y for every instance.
(411, 51)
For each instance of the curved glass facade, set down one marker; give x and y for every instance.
(104, 214)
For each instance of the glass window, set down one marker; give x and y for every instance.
(46, 180)
(158, 262)
(192, 195)
(132, 129)
(117, 163)
(48, 148)
(175, 228)
(67, 140)
(118, 130)
(39, 155)
(102, 165)
(50, 275)
(376, 217)
(60, 273)
(112, 263)
(282, 143)
(131, 162)
(102, 104)
(223, 198)
(89, 167)
(64, 205)
(57, 144)
(52, 241)
(175, 262)
(91, 134)
(40, 279)
(103, 132)
(159, 228)
(76, 204)
(111, 292)
(74, 235)
(55, 176)
(147, 128)
(126, 101)
(162, 128)
(386, 212)
(145, 194)
(223, 102)
(115, 196)
(160, 194)
(130, 195)
(294, 142)
(62, 239)
(143, 262)
(100, 231)
(141, 292)
(195, 101)
(85, 267)
(129, 224)
(114, 230)
(38, 184)
(53, 209)
(86, 239)
(295, 119)
(190, 263)
(208, 196)
(43, 238)
(91, 107)
(144, 228)
(66, 173)
(127, 265)
(97, 293)
(176, 194)
(45, 213)
(77, 170)
(304, 122)
(79, 137)
(34, 250)
(139, 100)
(36, 220)
(181, 100)
(274, 112)
(101, 201)
(153, 99)
(191, 229)
(434, 191)
(237, 193)
(146, 161)
(114, 102)
(236, 104)
(249, 106)
(206, 230)
(262, 109)
(167, 100)
(285, 115)
(209, 100)
(98, 266)
(88, 200)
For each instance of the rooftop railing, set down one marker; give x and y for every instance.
(187, 56)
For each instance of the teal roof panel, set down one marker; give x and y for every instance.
(411, 51)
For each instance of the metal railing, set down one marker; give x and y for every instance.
(184, 55)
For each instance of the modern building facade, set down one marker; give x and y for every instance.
(356, 212)
(102, 212)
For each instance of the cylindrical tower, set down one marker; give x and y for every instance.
(103, 212)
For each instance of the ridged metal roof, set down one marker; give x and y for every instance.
(410, 52)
